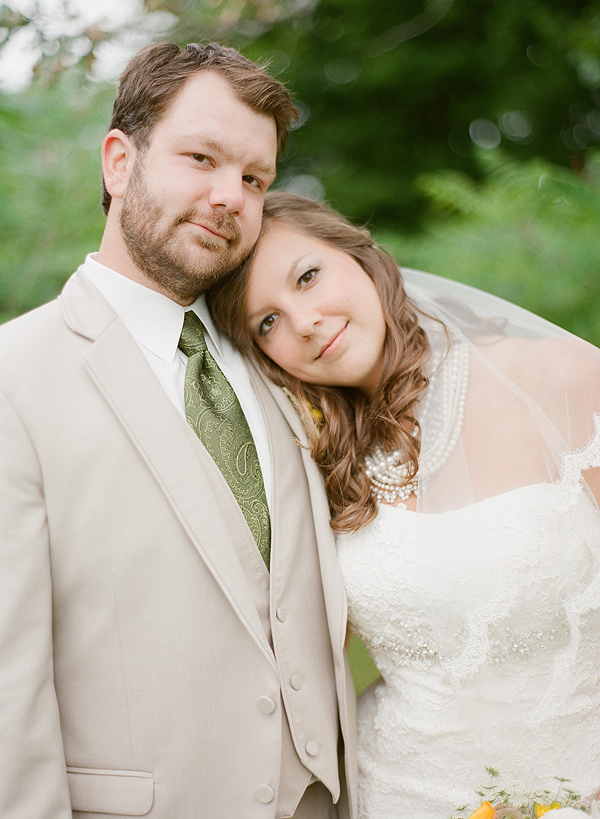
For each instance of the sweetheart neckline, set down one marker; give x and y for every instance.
(402, 507)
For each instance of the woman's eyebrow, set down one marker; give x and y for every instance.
(291, 273)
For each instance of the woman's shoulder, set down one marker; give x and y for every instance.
(549, 360)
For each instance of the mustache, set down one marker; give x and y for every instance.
(223, 223)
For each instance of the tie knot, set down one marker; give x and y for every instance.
(192, 335)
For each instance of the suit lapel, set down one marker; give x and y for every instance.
(181, 465)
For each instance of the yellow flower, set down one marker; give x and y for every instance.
(540, 810)
(484, 811)
(316, 413)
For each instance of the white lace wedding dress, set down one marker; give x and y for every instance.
(484, 626)
(482, 608)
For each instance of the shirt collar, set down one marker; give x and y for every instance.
(154, 320)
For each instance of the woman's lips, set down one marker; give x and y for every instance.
(333, 343)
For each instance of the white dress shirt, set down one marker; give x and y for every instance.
(155, 322)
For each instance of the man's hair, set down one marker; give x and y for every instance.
(157, 73)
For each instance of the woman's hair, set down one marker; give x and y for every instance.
(343, 424)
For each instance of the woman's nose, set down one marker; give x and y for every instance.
(305, 322)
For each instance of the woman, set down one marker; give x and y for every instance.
(459, 439)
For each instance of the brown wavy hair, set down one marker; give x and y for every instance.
(343, 424)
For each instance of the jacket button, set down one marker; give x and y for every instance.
(281, 614)
(265, 705)
(264, 794)
(296, 682)
(312, 748)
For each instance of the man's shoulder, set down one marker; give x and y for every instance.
(28, 349)
(30, 326)
(40, 325)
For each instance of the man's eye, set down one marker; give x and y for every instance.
(254, 181)
(266, 325)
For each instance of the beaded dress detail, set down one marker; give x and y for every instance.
(484, 623)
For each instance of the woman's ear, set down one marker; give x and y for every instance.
(118, 158)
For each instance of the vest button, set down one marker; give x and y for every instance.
(312, 748)
(281, 614)
(265, 705)
(264, 794)
(296, 682)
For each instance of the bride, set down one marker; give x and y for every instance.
(459, 440)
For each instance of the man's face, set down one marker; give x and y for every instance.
(193, 205)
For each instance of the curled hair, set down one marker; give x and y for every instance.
(343, 424)
(155, 75)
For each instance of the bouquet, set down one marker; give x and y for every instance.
(504, 803)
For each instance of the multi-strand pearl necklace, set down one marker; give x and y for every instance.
(385, 470)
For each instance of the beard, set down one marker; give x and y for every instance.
(166, 258)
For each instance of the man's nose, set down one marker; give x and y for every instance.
(227, 192)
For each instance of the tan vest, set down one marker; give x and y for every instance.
(309, 729)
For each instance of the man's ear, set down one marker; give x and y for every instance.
(118, 158)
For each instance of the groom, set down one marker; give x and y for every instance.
(171, 612)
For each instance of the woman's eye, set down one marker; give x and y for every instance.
(308, 276)
(266, 325)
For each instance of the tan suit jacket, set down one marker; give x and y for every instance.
(138, 661)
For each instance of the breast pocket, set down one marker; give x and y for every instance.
(129, 793)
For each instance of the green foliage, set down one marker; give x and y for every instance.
(363, 669)
(527, 232)
(50, 215)
(390, 90)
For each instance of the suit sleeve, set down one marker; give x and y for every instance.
(33, 779)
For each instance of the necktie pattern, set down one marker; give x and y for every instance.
(214, 413)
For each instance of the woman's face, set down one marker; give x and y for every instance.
(314, 311)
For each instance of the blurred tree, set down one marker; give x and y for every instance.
(527, 232)
(50, 214)
(391, 90)
(388, 91)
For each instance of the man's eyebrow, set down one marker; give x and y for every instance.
(220, 148)
(262, 167)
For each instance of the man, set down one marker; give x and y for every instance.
(171, 612)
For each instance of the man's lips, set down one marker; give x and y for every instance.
(332, 345)
(211, 230)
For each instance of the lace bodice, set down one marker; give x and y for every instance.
(484, 624)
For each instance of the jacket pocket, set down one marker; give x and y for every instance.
(102, 791)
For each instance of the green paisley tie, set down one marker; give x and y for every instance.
(214, 413)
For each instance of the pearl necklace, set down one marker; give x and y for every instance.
(386, 472)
